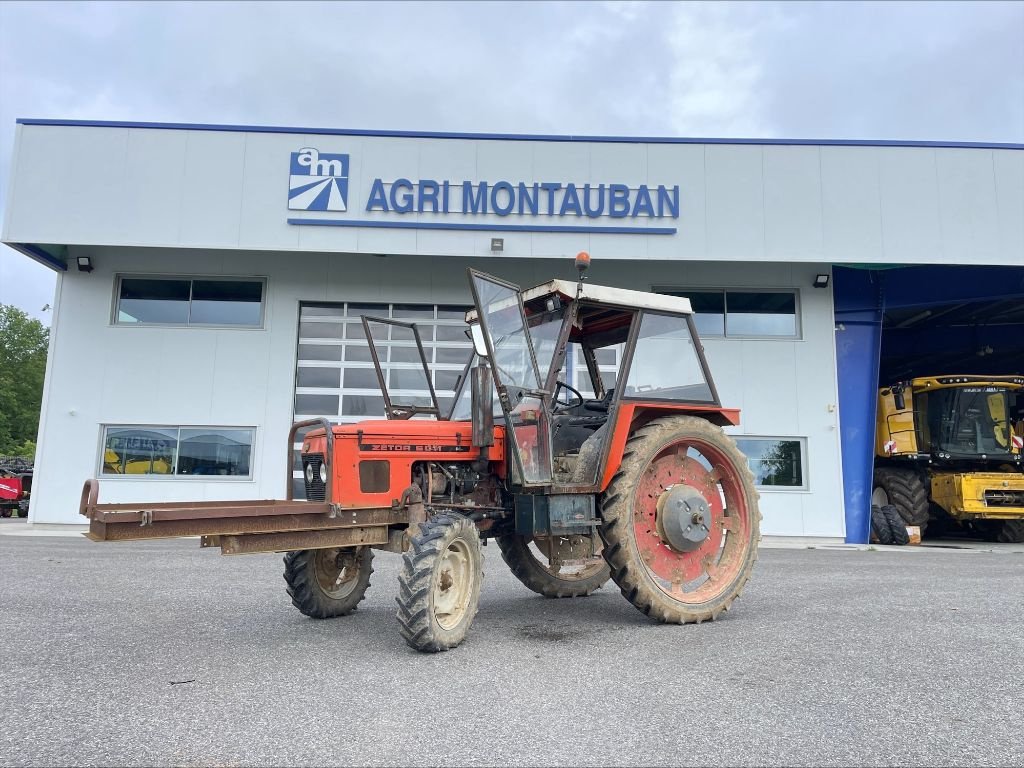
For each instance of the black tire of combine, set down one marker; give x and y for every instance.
(880, 526)
(897, 525)
(23, 509)
(515, 551)
(1010, 532)
(617, 510)
(311, 595)
(445, 544)
(6, 511)
(906, 492)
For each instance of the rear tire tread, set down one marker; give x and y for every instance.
(628, 575)
(515, 551)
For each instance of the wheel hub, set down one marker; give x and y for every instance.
(683, 518)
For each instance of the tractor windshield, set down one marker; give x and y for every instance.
(968, 421)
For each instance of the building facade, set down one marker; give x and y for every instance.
(211, 281)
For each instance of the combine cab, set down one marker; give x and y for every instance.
(635, 482)
(949, 453)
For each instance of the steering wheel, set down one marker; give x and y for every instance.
(560, 385)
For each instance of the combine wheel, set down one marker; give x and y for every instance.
(531, 567)
(680, 520)
(897, 525)
(6, 511)
(23, 509)
(439, 586)
(905, 490)
(880, 531)
(324, 583)
(1009, 532)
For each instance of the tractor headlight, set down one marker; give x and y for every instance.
(323, 474)
(309, 473)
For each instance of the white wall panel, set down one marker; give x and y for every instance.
(1009, 174)
(968, 206)
(910, 205)
(851, 208)
(735, 203)
(229, 190)
(792, 204)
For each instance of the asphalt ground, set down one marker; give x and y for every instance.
(159, 653)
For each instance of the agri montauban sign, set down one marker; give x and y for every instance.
(319, 182)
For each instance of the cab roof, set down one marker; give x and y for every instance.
(603, 294)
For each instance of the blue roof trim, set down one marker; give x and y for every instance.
(384, 224)
(516, 136)
(36, 253)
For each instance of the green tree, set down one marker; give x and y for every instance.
(23, 343)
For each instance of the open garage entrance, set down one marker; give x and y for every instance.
(904, 322)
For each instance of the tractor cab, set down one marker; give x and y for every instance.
(534, 341)
(541, 348)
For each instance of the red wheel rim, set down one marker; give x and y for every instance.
(703, 573)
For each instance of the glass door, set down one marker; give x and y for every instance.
(499, 307)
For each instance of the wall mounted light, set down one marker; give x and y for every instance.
(821, 281)
(84, 264)
(497, 244)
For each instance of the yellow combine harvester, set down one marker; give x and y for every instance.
(949, 452)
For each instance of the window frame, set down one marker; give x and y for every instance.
(798, 335)
(119, 278)
(250, 478)
(805, 487)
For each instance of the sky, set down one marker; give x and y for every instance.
(849, 70)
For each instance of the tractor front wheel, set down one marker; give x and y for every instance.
(680, 520)
(528, 565)
(439, 586)
(324, 583)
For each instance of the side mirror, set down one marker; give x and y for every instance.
(479, 345)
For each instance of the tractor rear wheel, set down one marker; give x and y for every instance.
(531, 568)
(904, 489)
(897, 525)
(439, 586)
(324, 583)
(680, 520)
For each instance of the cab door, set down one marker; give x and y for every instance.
(513, 365)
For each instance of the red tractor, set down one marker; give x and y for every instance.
(636, 482)
(15, 486)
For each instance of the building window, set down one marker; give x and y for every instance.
(179, 451)
(736, 313)
(185, 301)
(775, 462)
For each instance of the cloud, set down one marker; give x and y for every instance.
(810, 70)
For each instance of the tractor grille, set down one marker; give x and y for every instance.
(1004, 498)
(315, 489)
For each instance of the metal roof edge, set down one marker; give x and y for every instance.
(516, 136)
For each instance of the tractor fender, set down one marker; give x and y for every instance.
(632, 415)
